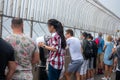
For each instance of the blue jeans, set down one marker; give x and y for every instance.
(53, 74)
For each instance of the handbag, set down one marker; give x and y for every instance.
(111, 57)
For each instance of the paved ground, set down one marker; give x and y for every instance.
(98, 77)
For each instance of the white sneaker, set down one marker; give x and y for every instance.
(104, 78)
(114, 70)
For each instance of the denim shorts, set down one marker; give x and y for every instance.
(75, 66)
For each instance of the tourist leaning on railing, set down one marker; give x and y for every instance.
(26, 51)
(56, 46)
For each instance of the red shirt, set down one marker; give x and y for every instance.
(56, 58)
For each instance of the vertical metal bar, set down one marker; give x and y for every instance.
(30, 9)
(22, 8)
(15, 7)
(31, 28)
(1, 15)
(26, 8)
(11, 7)
(74, 30)
(36, 10)
(1, 5)
(7, 7)
(39, 11)
(19, 8)
(94, 34)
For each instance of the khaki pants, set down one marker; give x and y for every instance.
(100, 58)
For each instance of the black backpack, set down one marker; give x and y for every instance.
(95, 49)
(88, 53)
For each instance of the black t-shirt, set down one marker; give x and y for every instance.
(6, 55)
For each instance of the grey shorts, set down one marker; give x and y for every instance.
(75, 66)
(90, 63)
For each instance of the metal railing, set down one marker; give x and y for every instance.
(80, 15)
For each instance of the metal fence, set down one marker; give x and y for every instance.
(80, 15)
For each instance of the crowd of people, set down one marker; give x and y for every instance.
(89, 55)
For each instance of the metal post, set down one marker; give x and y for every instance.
(94, 34)
(0, 25)
(1, 20)
(19, 8)
(74, 30)
(1, 5)
(31, 28)
(1, 15)
(11, 7)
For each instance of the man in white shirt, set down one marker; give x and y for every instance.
(74, 46)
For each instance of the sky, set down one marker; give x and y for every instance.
(113, 5)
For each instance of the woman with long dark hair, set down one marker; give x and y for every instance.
(57, 45)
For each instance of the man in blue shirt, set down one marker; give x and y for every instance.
(100, 53)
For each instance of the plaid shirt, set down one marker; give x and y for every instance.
(56, 58)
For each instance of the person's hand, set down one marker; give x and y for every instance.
(41, 44)
(113, 50)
